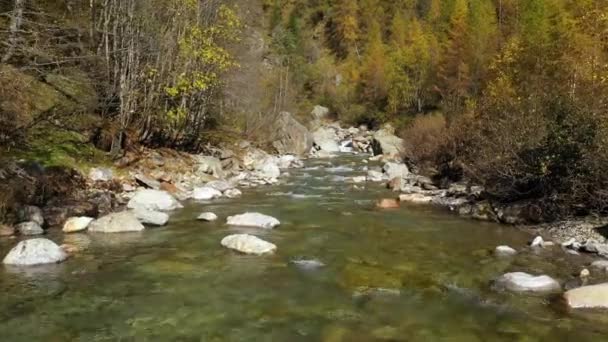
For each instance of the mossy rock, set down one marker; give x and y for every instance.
(359, 276)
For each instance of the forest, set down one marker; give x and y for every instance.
(509, 94)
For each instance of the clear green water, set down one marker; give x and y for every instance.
(412, 274)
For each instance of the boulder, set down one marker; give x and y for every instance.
(233, 193)
(248, 244)
(151, 217)
(207, 217)
(205, 193)
(524, 282)
(153, 200)
(220, 185)
(147, 181)
(29, 228)
(209, 165)
(386, 143)
(588, 297)
(100, 174)
(77, 224)
(537, 242)
(325, 139)
(290, 136)
(268, 169)
(124, 221)
(253, 220)
(30, 213)
(483, 211)
(393, 170)
(416, 198)
(387, 203)
(319, 113)
(35, 252)
(504, 251)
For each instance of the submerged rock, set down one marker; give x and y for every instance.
(153, 200)
(116, 223)
(416, 198)
(387, 203)
(207, 217)
(77, 224)
(205, 193)
(248, 244)
(151, 217)
(29, 228)
(588, 297)
(253, 220)
(233, 193)
(35, 252)
(504, 251)
(524, 282)
(307, 264)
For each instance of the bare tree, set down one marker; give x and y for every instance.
(15, 25)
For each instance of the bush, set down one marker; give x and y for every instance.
(424, 138)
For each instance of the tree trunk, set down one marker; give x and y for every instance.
(13, 33)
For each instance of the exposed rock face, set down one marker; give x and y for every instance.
(35, 252)
(77, 224)
(116, 223)
(387, 143)
(588, 297)
(205, 193)
(29, 228)
(147, 181)
(30, 213)
(248, 244)
(253, 220)
(523, 282)
(153, 200)
(150, 217)
(291, 137)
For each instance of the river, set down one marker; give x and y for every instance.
(409, 274)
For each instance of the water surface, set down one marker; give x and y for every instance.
(411, 274)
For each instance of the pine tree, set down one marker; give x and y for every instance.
(346, 24)
(373, 75)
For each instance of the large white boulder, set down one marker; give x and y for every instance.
(248, 244)
(504, 251)
(588, 297)
(290, 136)
(253, 220)
(77, 224)
(35, 252)
(325, 139)
(153, 200)
(385, 142)
(396, 170)
(205, 193)
(268, 169)
(524, 282)
(208, 216)
(124, 221)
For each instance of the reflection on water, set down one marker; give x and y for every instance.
(344, 271)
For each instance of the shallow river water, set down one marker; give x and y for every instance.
(409, 274)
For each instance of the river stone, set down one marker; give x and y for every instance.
(35, 252)
(205, 193)
(77, 224)
(307, 264)
(537, 242)
(31, 213)
(151, 217)
(416, 198)
(524, 282)
(207, 217)
(233, 193)
(29, 228)
(396, 170)
(504, 251)
(601, 264)
(220, 185)
(147, 181)
(253, 220)
(248, 244)
(375, 176)
(268, 169)
(588, 297)
(124, 221)
(358, 179)
(101, 174)
(153, 200)
(326, 140)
